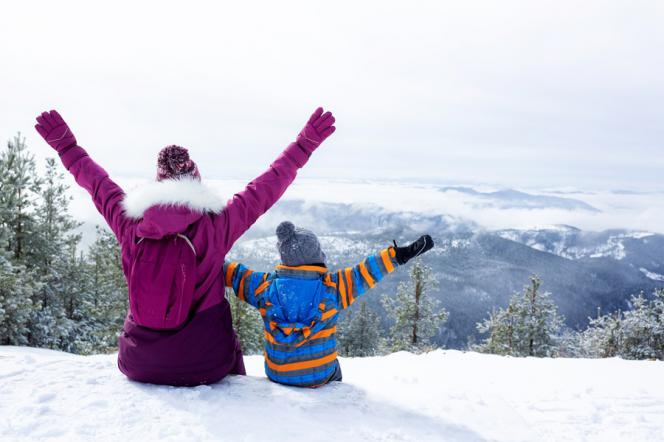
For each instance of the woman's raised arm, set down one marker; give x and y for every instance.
(106, 194)
(247, 206)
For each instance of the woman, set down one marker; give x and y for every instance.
(204, 348)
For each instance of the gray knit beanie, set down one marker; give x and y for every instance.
(298, 246)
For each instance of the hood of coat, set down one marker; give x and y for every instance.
(170, 206)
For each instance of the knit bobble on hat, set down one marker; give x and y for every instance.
(174, 162)
(285, 230)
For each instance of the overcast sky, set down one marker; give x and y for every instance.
(511, 93)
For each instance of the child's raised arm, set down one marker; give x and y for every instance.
(246, 284)
(353, 282)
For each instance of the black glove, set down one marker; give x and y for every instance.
(404, 254)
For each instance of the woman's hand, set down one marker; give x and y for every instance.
(318, 128)
(55, 131)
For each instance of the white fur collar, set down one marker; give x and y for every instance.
(188, 192)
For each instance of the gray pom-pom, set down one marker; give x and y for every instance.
(285, 230)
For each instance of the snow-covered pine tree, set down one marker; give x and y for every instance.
(634, 334)
(500, 328)
(74, 295)
(657, 340)
(19, 185)
(56, 226)
(105, 306)
(570, 344)
(50, 294)
(16, 289)
(643, 328)
(343, 340)
(417, 316)
(529, 326)
(601, 339)
(247, 323)
(359, 333)
(57, 306)
(18, 283)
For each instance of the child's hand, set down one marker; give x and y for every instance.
(318, 128)
(55, 131)
(423, 244)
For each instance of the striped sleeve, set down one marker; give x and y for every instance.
(246, 284)
(353, 282)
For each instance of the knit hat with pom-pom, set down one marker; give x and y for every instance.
(174, 162)
(298, 246)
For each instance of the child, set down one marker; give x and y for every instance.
(300, 302)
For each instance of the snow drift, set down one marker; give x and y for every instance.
(443, 395)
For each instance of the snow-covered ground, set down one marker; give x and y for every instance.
(440, 396)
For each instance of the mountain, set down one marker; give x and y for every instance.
(486, 249)
(477, 269)
(511, 199)
(439, 396)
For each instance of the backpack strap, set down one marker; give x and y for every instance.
(187, 240)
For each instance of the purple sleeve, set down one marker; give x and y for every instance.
(105, 193)
(247, 206)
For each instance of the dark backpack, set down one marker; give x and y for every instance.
(162, 279)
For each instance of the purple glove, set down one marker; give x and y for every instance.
(318, 128)
(55, 131)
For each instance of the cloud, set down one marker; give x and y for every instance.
(515, 93)
(632, 211)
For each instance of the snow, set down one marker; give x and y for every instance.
(640, 235)
(652, 275)
(443, 395)
(614, 248)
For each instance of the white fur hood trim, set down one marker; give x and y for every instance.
(188, 192)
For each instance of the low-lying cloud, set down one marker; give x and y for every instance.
(615, 210)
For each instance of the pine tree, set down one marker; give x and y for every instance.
(18, 283)
(500, 326)
(51, 294)
(643, 328)
(635, 334)
(55, 224)
(16, 289)
(247, 323)
(54, 248)
(570, 345)
(417, 316)
(359, 333)
(80, 324)
(19, 184)
(105, 306)
(529, 326)
(602, 338)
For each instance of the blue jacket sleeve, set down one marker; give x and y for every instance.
(247, 284)
(353, 282)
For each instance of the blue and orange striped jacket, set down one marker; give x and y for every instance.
(300, 307)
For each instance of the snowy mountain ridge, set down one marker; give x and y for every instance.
(510, 198)
(572, 243)
(488, 242)
(478, 269)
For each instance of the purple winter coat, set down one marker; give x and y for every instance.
(205, 349)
